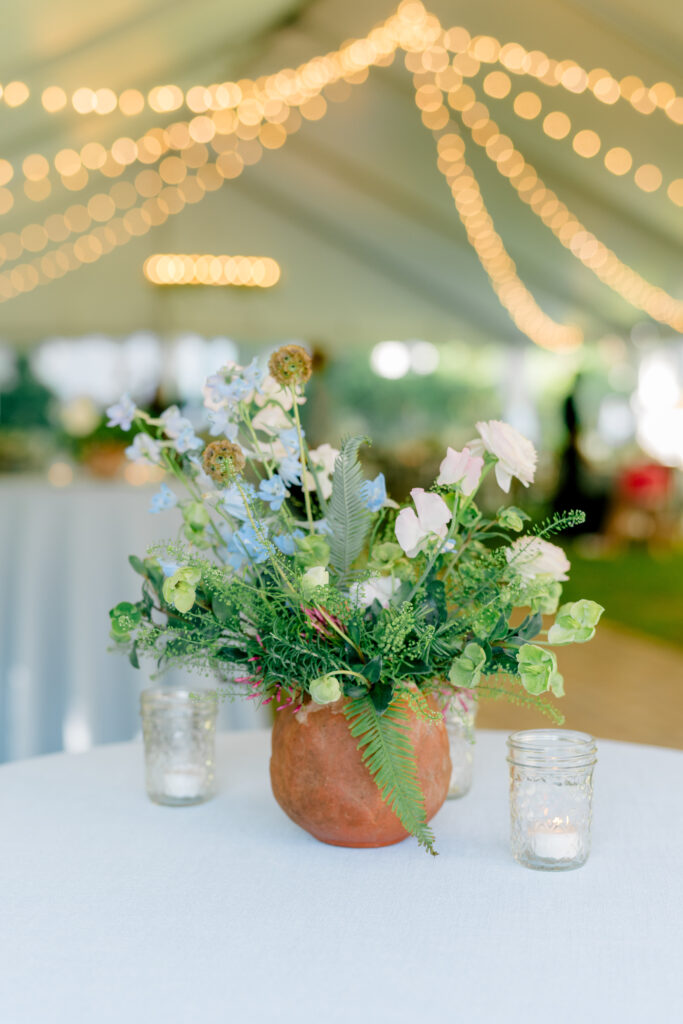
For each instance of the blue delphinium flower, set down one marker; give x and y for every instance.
(290, 440)
(187, 440)
(233, 503)
(168, 568)
(144, 449)
(254, 374)
(122, 413)
(374, 492)
(286, 542)
(273, 492)
(290, 470)
(243, 545)
(220, 424)
(162, 500)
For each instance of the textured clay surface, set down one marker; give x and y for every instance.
(320, 781)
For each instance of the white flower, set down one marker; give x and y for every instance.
(271, 390)
(324, 482)
(377, 588)
(433, 515)
(270, 419)
(144, 449)
(532, 557)
(516, 455)
(461, 468)
(324, 456)
(220, 424)
(313, 578)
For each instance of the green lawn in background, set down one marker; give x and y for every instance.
(638, 589)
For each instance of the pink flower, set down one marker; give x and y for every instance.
(461, 468)
(431, 519)
(515, 453)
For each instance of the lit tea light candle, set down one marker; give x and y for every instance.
(183, 783)
(554, 840)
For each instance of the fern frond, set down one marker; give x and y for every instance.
(386, 749)
(347, 514)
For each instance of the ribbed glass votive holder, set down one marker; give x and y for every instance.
(179, 730)
(551, 792)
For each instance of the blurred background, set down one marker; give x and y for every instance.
(485, 224)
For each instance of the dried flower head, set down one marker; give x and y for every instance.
(290, 365)
(223, 460)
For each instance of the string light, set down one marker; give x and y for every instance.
(573, 235)
(241, 271)
(513, 295)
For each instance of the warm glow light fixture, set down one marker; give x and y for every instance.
(240, 271)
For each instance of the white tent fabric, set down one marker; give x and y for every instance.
(352, 206)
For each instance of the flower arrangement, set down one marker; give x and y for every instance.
(298, 582)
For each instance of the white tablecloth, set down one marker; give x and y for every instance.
(116, 910)
(63, 565)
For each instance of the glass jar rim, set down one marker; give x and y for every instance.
(561, 748)
(176, 699)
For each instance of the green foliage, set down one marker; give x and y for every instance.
(347, 515)
(388, 753)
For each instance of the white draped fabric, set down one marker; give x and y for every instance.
(115, 909)
(63, 565)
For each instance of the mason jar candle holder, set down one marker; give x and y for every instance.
(460, 719)
(551, 792)
(179, 730)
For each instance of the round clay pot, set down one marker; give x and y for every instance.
(320, 781)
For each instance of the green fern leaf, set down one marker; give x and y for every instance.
(347, 514)
(386, 749)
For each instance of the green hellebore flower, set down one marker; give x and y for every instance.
(325, 689)
(385, 555)
(195, 515)
(179, 589)
(538, 670)
(312, 550)
(467, 667)
(575, 622)
(546, 599)
(124, 617)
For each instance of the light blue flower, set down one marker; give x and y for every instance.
(122, 413)
(290, 470)
(168, 568)
(162, 500)
(374, 492)
(216, 388)
(273, 492)
(233, 503)
(254, 375)
(286, 542)
(244, 544)
(173, 420)
(220, 424)
(290, 440)
(144, 449)
(187, 440)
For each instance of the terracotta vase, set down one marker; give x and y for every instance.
(320, 781)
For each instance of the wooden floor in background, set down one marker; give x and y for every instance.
(620, 686)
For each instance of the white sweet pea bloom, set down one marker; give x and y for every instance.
(271, 419)
(516, 455)
(324, 456)
(461, 468)
(431, 519)
(532, 557)
(324, 482)
(377, 588)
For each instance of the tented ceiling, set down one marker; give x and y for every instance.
(353, 206)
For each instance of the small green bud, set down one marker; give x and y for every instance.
(179, 589)
(512, 518)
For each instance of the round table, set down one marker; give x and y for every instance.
(116, 910)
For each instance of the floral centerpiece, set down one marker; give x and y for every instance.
(300, 584)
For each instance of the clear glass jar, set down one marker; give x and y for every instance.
(461, 714)
(179, 729)
(551, 793)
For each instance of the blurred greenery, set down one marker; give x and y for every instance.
(639, 589)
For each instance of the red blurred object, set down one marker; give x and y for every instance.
(648, 485)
